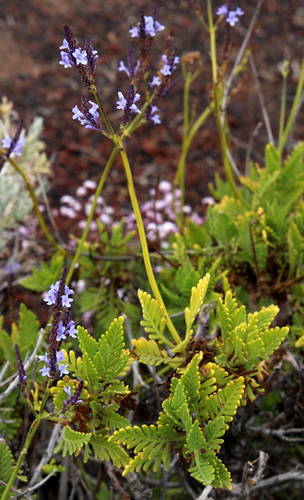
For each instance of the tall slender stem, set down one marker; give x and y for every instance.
(31, 192)
(294, 110)
(217, 98)
(84, 235)
(28, 440)
(144, 245)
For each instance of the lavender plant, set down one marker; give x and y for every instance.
(208, 355)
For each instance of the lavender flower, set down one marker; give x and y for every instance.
(17, 146)
(231, 16)
(155, 82)
(130, 69)
(124, 104)
(47, 369)
(153, 115)
(73, 55)
(66, 330)
(151, 28)
(80, 56)
(73, 399)
(222, 11)
(51, 297)
(169, 64)
(89, 117)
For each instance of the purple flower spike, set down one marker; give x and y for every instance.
(151, 28)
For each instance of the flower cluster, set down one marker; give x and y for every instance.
(128, 104)
(159, 213)
(231, 16)
(62, 327)
(79, 209)
(83, 58)
(61, 367)
(89, 116)
(52, 295)
(148, 26)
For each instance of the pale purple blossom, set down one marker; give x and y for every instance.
(231, 16)
(122, 103)
(67, 389)
(46, 370)
(130, 69)
(18, 147)
(222, 11)
(80, 56)
(155, 82)
(154, 116)
(64, 331)
(88, 117)
(51, 296)
(151, 27)
(169, 65)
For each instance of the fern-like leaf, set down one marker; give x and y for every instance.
(154, 320)
(73, 441)
(149, 353)
(104, 449)
(6, 463)
(227, 400)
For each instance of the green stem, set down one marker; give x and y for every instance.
(283, 109)
(34, 199)
(21, 458)
(144, 245)
(293, 112)
(217, 97)
(188, 81)
(29, 438)
(84, 235)
(103, 114)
